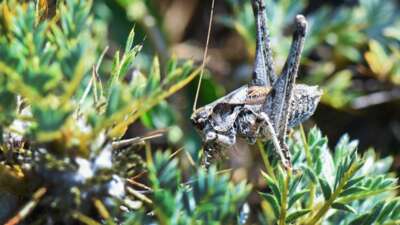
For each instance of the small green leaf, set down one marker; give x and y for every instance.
(375, 212)
(116, 100)
(361, 220)
(352, 190)
(297, 214)
(273, 202)
(350, 53)
(281, 179)
(146, 120)
(326, 188)
(129, 41)
(50, 119)
(386, 183)
(115, 66)
(396, 212)
(154, 76)
(339, 175)
(343, 147)
(344, 207)
(387, 210)
(273, 186)
(310, 174)
(294, 184)
(376, 183)
(296, 197)
(353, 181)
(126, 64)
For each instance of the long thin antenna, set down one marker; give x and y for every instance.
(205, 55)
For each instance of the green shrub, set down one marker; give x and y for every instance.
(61, 121)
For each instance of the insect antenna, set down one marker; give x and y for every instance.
(204, 55)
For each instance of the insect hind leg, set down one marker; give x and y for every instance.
(277, 104)
(263, 73)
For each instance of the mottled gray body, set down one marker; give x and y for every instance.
(266, 107)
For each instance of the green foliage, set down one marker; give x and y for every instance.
(61, 119)
(339, 188)
(207, 198)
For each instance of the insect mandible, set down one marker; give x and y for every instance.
(267, 106)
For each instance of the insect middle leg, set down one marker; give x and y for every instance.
(278, 103)
(277, 144)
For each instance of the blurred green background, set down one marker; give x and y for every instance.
(352, 51)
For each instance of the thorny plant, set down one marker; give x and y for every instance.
(265, 108)
(62, 160)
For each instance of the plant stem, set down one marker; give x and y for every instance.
(327, 204)
(282, 217)
(84, 219)
(365, 195)
(309, 164)
(306, 147)
(264, 157)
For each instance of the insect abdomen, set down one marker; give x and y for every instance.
(303, 103)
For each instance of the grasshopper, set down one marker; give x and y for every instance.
(266, 107)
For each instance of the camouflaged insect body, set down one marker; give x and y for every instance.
(265, 108)
(228, 118)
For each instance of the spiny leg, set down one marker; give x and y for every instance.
(263, 74)
(285, 161)
(214, 145)
(267, 51)
(211, 154)
(289, 73)
(208, 155)
(277, 104)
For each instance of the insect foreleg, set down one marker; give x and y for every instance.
(209, 152)
(214, 144)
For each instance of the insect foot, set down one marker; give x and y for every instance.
(266, 107)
